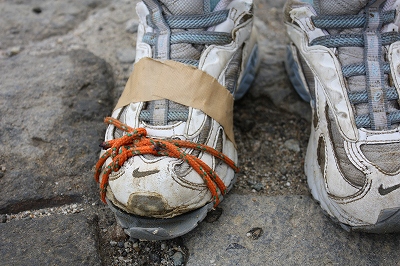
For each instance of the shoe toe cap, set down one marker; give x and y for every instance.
(154, 188)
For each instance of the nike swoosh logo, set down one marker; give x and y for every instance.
(385, 191)
(138, 174)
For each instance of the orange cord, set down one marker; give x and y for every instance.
(136, 142)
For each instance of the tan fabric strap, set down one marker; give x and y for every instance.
(187, 85)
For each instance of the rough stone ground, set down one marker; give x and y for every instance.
(63, 65)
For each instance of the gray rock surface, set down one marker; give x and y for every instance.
(52, 107)
(295, 232)
(24, 21)
(54, 240)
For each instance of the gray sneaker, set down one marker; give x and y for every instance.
(344, 58)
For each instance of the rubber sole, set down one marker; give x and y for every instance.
(389, 219)
(138, 227)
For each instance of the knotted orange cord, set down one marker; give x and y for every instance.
(136, 142)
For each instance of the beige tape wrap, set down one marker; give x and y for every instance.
(155, 80)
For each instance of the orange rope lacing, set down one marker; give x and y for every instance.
(135, 142)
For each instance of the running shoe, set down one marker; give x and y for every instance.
(344, 58)
(169, 154)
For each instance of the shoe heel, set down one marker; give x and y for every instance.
(249, 73)
(295, 73)
(251, 65)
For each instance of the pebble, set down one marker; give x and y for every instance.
(283, 171)
(126, 55)
(292, 145)
(127, 244)
(287, 184)
(255, 233)
(213, 215)
(257, 145)
(178, 258)
(117, 233)
(14, 51)
(3, 218)
(37, 10)
(2, 171)
(136, 247)
(163, 246)
(258, 186)
(155, 258)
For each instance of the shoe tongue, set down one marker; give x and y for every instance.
(161, 110)
(341, 7)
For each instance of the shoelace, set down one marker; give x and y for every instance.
(193, 27)
(136, 142)
(357, 40)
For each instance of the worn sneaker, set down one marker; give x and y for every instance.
(345, 59)
(169, 152)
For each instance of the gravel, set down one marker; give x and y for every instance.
(271, 151)
(31, 214)
(137, 252)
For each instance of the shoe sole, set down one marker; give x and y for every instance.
(388, 220)
(138, 227)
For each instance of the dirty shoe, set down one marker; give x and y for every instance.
(345, 60)
(169, 152)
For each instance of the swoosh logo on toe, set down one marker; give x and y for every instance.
(385, 191)
(138, 174)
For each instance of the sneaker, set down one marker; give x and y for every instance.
(344, 58)
(169, 153)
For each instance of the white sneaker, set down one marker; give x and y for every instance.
(345, 59)
(159, 187)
